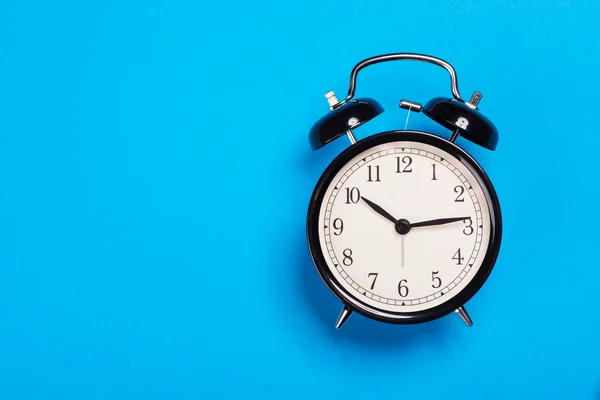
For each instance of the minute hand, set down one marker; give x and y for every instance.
(440, 221)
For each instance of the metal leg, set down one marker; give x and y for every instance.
(351, 137)
(455, 135)
(462, 313)
(344, 315)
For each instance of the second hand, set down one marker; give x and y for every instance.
(402, 250)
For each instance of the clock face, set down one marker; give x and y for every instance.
(405, 226)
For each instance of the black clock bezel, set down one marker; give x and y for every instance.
(354, 302)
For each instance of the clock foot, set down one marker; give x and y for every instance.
(462, 313)
(344, 315)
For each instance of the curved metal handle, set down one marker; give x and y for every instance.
(401, 56)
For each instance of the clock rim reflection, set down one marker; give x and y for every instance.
(455, 301)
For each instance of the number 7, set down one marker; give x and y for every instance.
(374, 274)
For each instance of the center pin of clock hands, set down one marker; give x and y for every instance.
(403, 226)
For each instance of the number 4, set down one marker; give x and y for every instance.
(458, 258)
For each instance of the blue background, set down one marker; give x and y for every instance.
(155, 175)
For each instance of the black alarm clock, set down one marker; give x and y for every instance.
(404, 226)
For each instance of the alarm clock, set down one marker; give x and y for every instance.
(404, 226)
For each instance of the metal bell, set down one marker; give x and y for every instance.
(463, 119)
(339, 121)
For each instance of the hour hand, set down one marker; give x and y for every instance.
(379, 210)
(439, 221)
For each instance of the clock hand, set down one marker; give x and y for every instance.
(402, 250)
(440, 221)
(379, 210)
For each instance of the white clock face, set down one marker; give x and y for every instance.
(374, 258)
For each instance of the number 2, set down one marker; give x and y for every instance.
(461, 191)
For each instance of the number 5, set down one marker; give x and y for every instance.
(437, 282)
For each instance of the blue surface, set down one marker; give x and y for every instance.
(155, 175)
